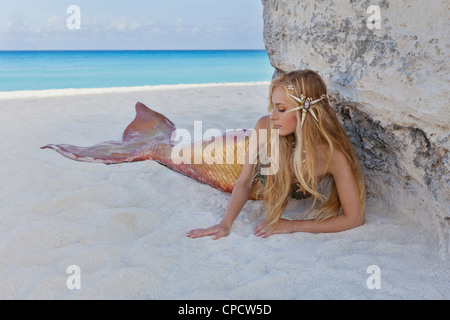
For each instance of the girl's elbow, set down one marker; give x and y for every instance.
(360, 223)
(353, 220)
(357, 221)
(243, 184)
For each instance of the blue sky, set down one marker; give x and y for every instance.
(132, 24)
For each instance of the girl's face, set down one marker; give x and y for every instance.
(284, 121)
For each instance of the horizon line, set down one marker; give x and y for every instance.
(12, 50)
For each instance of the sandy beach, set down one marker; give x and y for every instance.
(124, 225)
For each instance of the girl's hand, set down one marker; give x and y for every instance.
(216, 232)
(283, 226)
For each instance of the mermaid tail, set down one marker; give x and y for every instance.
(149, 137)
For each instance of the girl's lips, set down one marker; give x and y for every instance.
(277, 126)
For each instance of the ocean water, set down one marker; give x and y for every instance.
(37, 70)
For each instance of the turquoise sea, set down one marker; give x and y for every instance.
(37, 70)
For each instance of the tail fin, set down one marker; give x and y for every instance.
(148, 123)
(148, 130)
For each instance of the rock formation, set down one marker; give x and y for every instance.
(386, 67)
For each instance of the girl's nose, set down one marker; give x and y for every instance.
(274, 114)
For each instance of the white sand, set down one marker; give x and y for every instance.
(124, 225)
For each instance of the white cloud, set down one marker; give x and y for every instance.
(119, 25)
(179, 25)
(55, 24)
(116, 30)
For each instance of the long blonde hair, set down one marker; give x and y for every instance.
(292, 164)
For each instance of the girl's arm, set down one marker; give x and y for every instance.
(348, 191)
(239, 197)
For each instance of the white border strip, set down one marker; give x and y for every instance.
(4, 95)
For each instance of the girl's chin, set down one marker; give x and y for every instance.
(283, 132)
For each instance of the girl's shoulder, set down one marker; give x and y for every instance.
(330, 163)
(263, 122)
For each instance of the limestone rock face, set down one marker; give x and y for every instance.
(389, 86)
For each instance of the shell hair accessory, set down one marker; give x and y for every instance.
(304, 103)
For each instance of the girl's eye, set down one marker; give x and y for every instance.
(281, 110)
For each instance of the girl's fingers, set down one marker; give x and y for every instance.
(217, 235)
(267, 234)
(259, 229)
(260, 233)
(198, 233)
